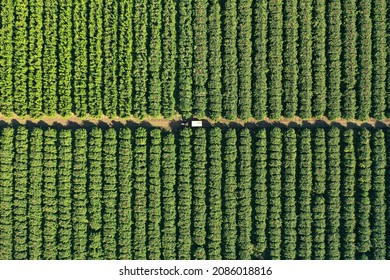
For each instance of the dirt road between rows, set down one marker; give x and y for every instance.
(175, 123)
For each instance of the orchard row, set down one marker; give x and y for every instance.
(197, 194)
(231, 59)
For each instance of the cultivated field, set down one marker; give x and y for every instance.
(291, 162)
(231, 59)
(197, 194)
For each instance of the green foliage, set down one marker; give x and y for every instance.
(289, 232)
(64, 53)
(6, 193)
(319, 58)
(274, 229)
(214, 43)
(229, 59)
(169, 52)
(20, 194)
(140, 64)
(348, 58)
(168, 197)
(364, 50)
(275, 59)
(95, 60)
(203, 58)
(185, 52)
(34, 199)
(244, 208)
(49, 197)
(260, 67)
(64, 186)
(184, 196)
(35, 48)
(125, 165)
(79, 195)
(110, 193)
(333, 195)
(19, 65)
(229, 198)
(259, 194)
(110, 31)
(378, 202)
(94, 206)
(379, 54)
(199, 195)
(199, 71)
(154, 196)
(244, 65)
(125, 59)
(214, 195)
(363, 189)
(79, 58)
(387, 194)
(139, 186)
(304, 189)
(387, 113)
(305, 53)
(333, 42)
(348, 183)
(290, 59)
(49, 56)
(318, 197)
(6, 50)
(154, 57)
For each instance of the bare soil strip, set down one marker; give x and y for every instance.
(175, 123)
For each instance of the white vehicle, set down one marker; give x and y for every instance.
(192, 123)
(196, 124)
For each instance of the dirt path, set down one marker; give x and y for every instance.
(174, 123)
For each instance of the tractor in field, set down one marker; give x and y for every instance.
(193, 123)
